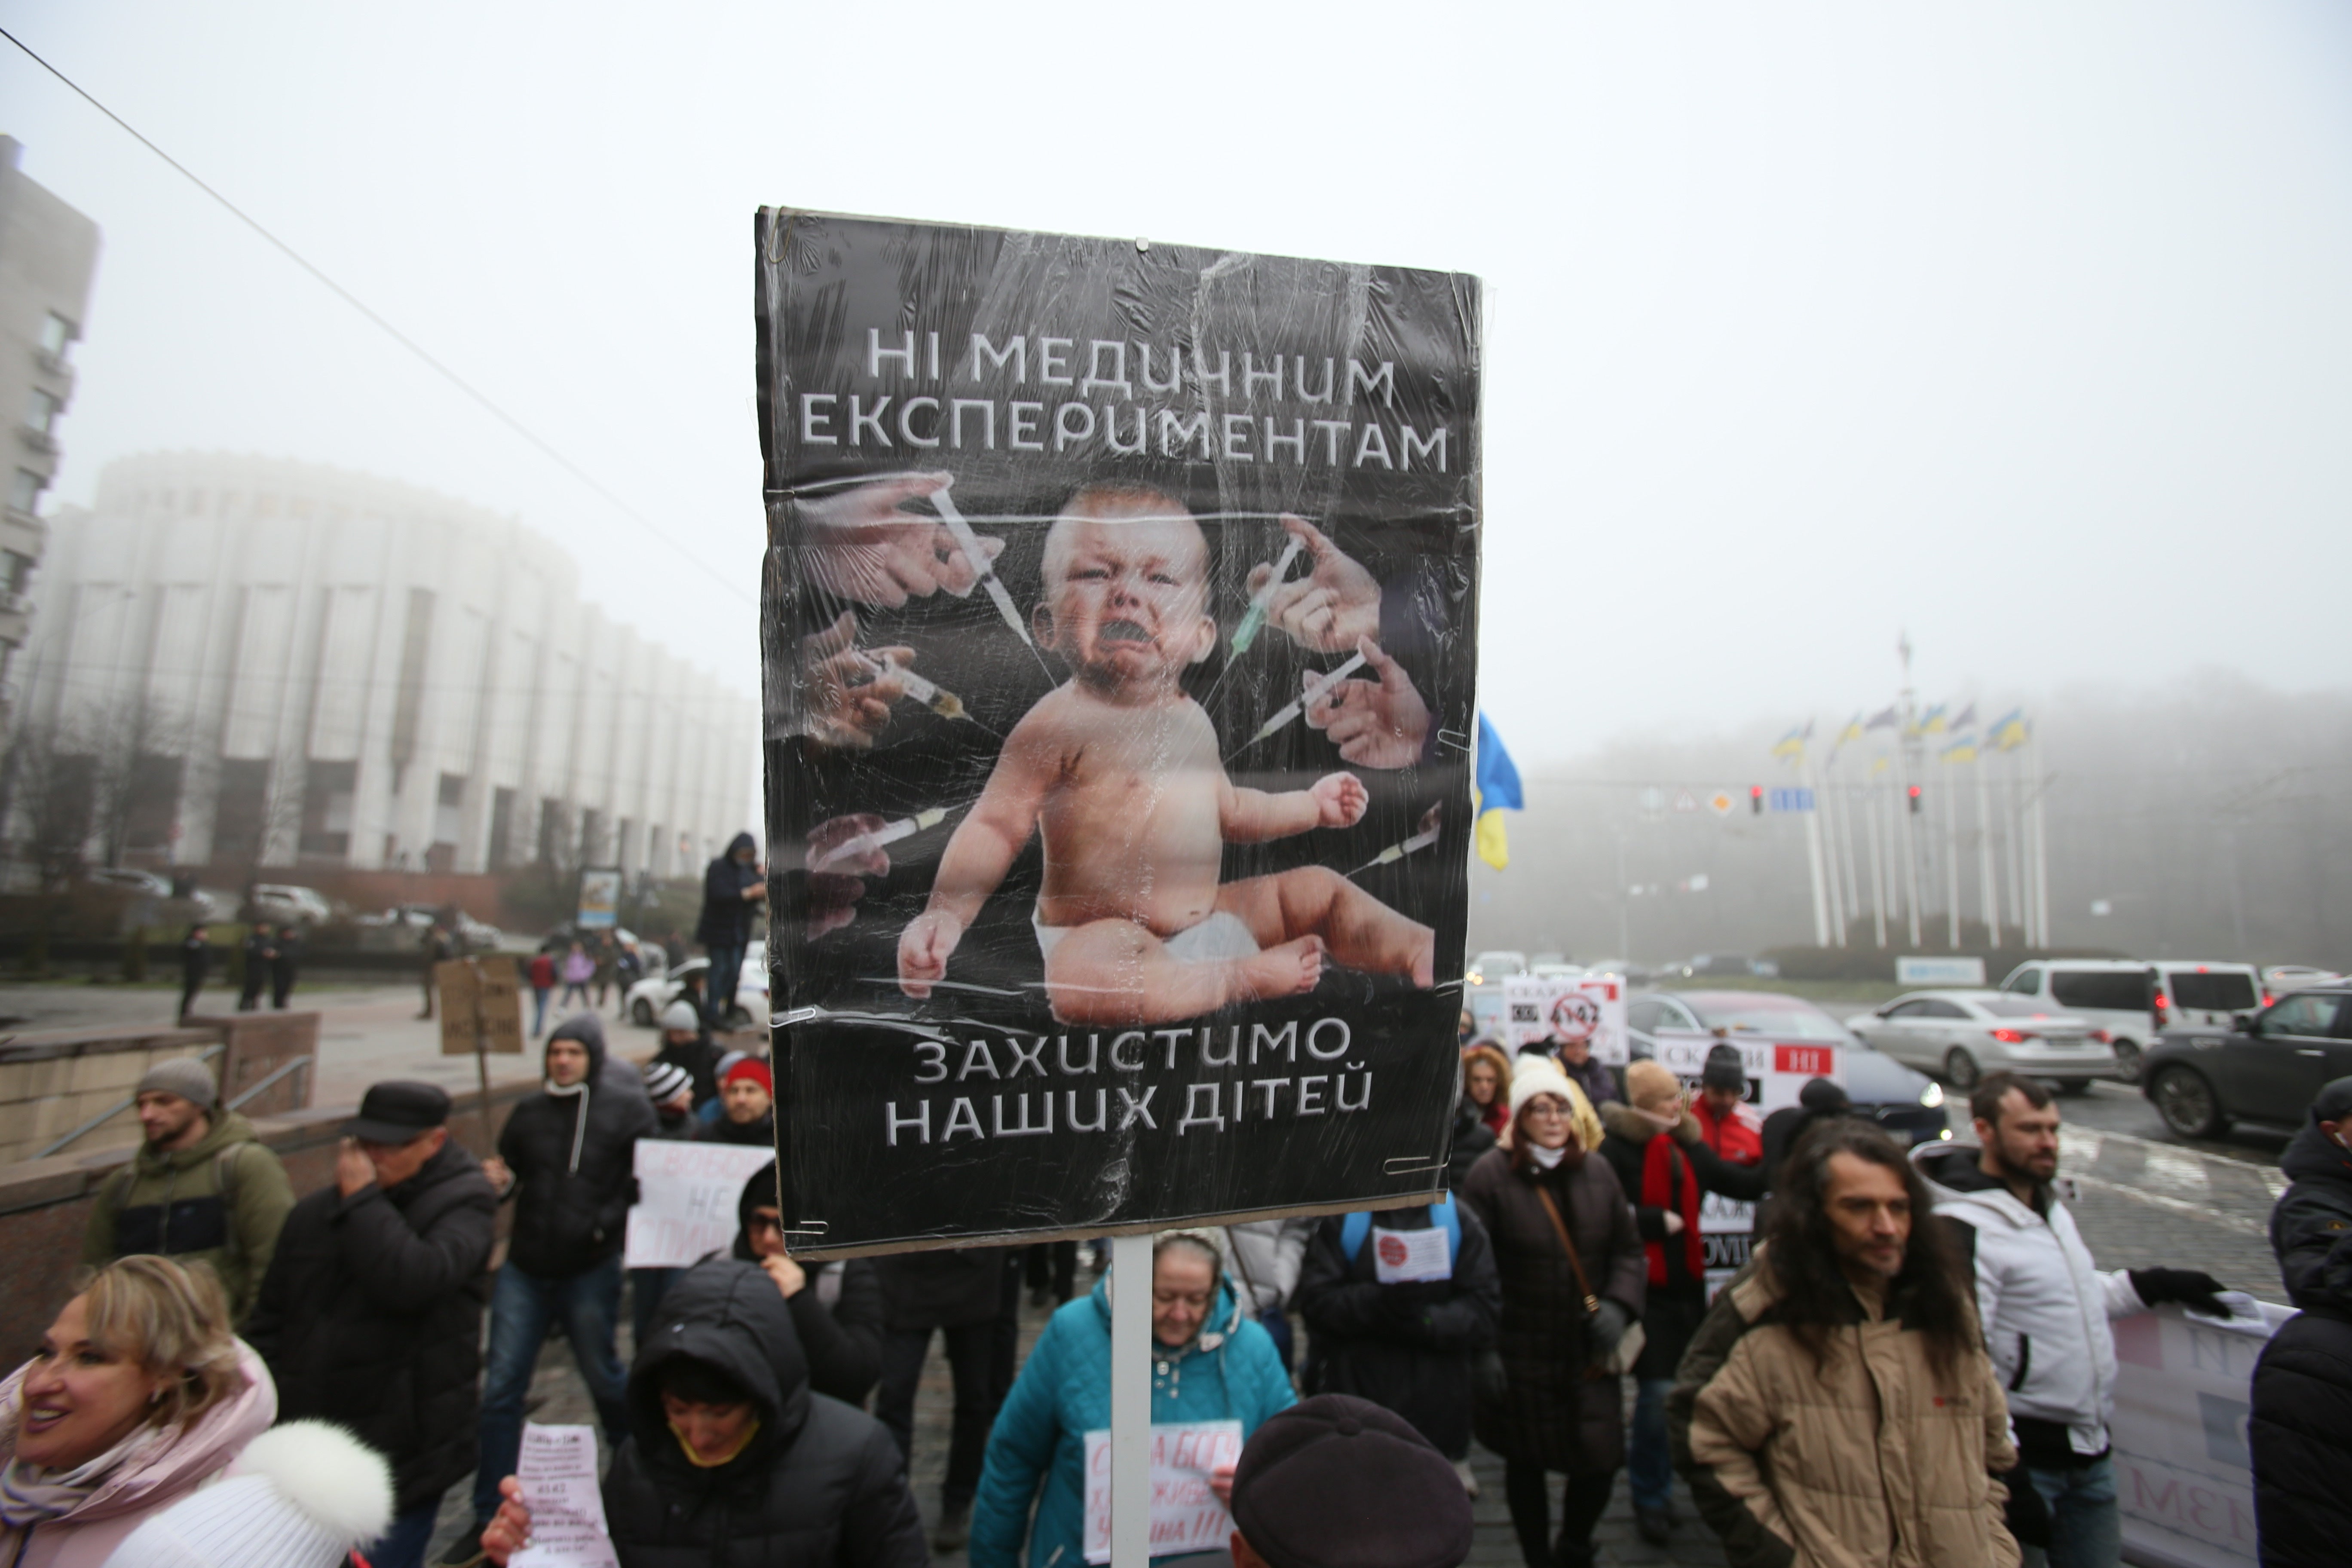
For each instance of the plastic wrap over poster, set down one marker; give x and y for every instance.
(1119, 620)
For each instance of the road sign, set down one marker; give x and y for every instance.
(1686, 801)
(1654, 801)
(1720, 803)
(1792, 800)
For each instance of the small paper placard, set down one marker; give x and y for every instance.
(1410, 1257)
(558, 1471)
(685, 1200)
(1186, 1516)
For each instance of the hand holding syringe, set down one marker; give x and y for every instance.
(944, 703)
(870, 839)
(1289, 711)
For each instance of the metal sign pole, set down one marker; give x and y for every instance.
(1130, 1402)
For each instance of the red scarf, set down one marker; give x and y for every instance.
(1661, 1160)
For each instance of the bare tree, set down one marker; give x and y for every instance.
(44, 801)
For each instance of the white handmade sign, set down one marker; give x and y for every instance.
(2184, 1481)
(685, 1200)
(1186, 1514)
(557, 1468)
(1538, 1009)
(1411, 1257)
(1778, 1071)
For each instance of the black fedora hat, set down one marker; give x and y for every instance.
(396, 1111)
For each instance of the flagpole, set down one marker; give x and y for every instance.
(1814, 856)
(1991, 887)
(1877, 865)
(2041, 846)
(1845, 857)
(1952, 793)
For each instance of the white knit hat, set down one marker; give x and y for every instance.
(681, 1015)
(1540, 1075)
(303, 1495)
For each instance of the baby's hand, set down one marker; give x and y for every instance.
(923, 950)
(1339, 800)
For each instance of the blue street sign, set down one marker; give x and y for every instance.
(1792, 800)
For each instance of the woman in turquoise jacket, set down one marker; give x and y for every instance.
(1209, 1364)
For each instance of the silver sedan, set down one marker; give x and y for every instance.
(1964, 1035)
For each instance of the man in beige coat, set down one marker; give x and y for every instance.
(1836, 1409)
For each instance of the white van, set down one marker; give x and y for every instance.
(2133, 1001)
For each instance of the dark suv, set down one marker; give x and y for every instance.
(2266, 1067)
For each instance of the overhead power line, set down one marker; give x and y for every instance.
(489, 405)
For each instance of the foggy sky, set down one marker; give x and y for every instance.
(2023, 328)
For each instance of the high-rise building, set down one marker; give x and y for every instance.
(325, 668)
(49, 254)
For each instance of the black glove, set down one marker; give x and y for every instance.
(1607, 1326)
(2186, 1286)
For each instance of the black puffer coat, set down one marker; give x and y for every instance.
(2311, 1228)
(951, 1288)
(1472, 1138)
(1407, 1348)
(820, 1485)
(575, 1176)
(371, 1317)
(2301, 1438)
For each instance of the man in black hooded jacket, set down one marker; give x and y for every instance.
(2301, 1430)
(567, 1157)
(730, 886)
(732, 1459)
(371, 1315)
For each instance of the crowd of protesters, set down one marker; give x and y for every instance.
(1913, 1367)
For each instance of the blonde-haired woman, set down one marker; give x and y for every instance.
(138, 1395)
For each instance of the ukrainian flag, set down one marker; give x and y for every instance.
(1853, 730)
(2007, 732)
(1931, 723)
(1497, 791)
(1963, 749)
(1792, 744)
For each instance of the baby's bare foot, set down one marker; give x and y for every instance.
(1291, 970)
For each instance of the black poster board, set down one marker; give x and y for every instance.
(1117, 879)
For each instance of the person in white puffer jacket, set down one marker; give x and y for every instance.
(2045, 1307)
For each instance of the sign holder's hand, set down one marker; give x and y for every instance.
(509, 1528)
(353, 1169)
(1334, 605)
(857, 543)
(790, 1277)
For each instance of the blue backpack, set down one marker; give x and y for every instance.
(1358, 1226)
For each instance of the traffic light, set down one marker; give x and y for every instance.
(1756, 799)
(1915, 800)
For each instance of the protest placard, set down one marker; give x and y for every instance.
(557, 1468)
(687, 1195)
(1119, 625)
(480, 993)
(1778, 1071)
(2184, 1478)
(1540, 1009)
(1186, 1514)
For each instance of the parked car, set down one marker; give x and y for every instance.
(648, 996)
(2279, 979)
(406, 925)
(1718, 966)
(1489, 967)
(126, 880)
(283, 903)
(1961, 1036)
(2268, 1066)
(1910, 1106)
(1556, 971)
(2134, 1001)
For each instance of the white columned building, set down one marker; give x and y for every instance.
(358, 672)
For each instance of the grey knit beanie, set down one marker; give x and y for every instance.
(185, 1077)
